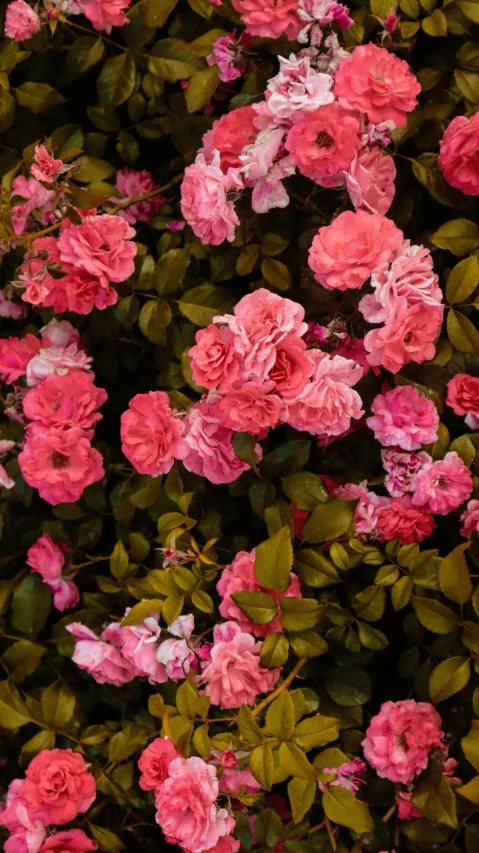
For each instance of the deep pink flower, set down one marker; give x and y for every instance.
(400, 520)
(370, 180)
(442, 486)
(374, 81)
(204, 202)
(349, 775)
(292, 368)
(132, 183)
(234, 676)
(69, 841)
(21, 22)
(27, 833)
(58, 786)
(45, 167)
(323, 144)
(408, 335)
(15, 354)
(228, 56)
(105, 14)
(214, 360)
(151, 434)
(65, 401)
(345, 254)
(47, 558)
(100, 656)
(463, 397)
(60, 463)
(239, 575)
(400, 738)
(403, 417)
(406, 810)
(82, 293)
(101, 246)
(249, 407)
(229, 135)
(154, 763)
(269, 18)
(470, 519)
(186, 805)
(65, 593)
(458, 154)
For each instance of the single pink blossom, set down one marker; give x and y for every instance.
(154, 763)
(65, 401)
(177, 659)
(229, 135)
(56, 360)
(458, 154)
(69, 841)
(105, 14)
(47, 558)
(269, 18)
(407, 336)
(401, 469)
(214, 360)
(323, 144)
(297, 89)
(250, 407)
(139, 645)
(227, 54)
(21, 22)
(399, 519)
(370, 180)
(470, 519)
(233, 781)
(101, 246)
(99, 656)
(132, 183)
(367, 508)
(27, 834)
(403, 417)
(443, 485)
(152, 434)
(463, 397)
(204, 202)
(45, 167)
(58, 786)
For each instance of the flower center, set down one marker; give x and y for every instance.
(324, 140)
(59, 460)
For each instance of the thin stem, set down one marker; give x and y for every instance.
(92, 33)
(129, 202)
(287, 681)
(330, 832)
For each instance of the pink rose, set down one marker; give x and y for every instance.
(349, 775)
(27, 833)
(227, 54)
(60, 463)
(186, 806)
(249, 407)
(234, 676)
(151, 434)
(374, 81)
(69, 841)
(297, 89)
(210, 443)
(45, 167)
(56, 360)
(442, 486)
(233, 781)
(406, 810)
(229, 135)
(65, 593)
(101, 658)
(101, 246)
(345, 254)
(177, 658)
(269, 18)
(105, 14)
(204, 202)
(214, 360)
(463, 397)
(327, 404)
(367, 507)
(154, 763)
(15, 354)
(132, 183)
(8, 307)
(83, 293)
(470, 519)
(401, 470)
(400, 738)
(370, 180)
(21, 22)
(47, 558)
(239, 575)
(323, 144)
(225, 844)
(65, 401)
(404, 418)
(58, 786)
(139, 646)
(292, 368)
(458, 154)
(59, 333)
(408, 335)
(38, 198)
(399, 519)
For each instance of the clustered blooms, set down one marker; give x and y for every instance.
(324, 114)
(60, 404)
(57, 788)
(47, 558)
(22, 21)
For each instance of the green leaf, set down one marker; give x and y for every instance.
(38, 97)
(470, 745)
(276, 274)
(462, 333)
(448, 677)
(158, 11)
(260, 607)
(170, 270)
(315, 569)
(454, 577)
(172, 607)
(329, 520)
(460, 236)
(287, 458)
(58, 704)
(140, 611)
(44, 739)
(7, 110)
(369, 604)
(435, 24)
(434, 797)
(119, 561)
(270, 828)
(273, 561)
(248, 726)
(293, 761)
(84, 53)
(307, 644)
(261, 765)
(117, 80)
(107, 840)
(274, 650)
(435, 616)
(470, 10)
(244, 446)
(155, 317)
(316, 731)
(201, 87)
(129, 739)
(280, 718)
(471, 792)
(22, 658)
(202, 303)
(348, 686)
(305, 490)
(462, 280)
(13, 711)
(301, 793)
(300, 614)
(31, 604)
(104, 118)
(468, 84)
(341, 806)
(465, 448)
(202, 601)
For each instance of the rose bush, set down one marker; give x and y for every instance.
(239, 377)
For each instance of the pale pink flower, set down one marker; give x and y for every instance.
(345, 254)
(65, 593)
(315, 14)
(139, 646)
(5, 480)
(101, 246)
(38, 198)
(204, 202)
(250, 407)
(47, 558)
(297, 89)
(132, 183)
(229, 135)
(8, 307)
(214, 360)
(105, 14)
(177, 659)
(470, 519)
(58, 786)
(404, 417)
(332, 53)
(15, 355)
(154, 763)
(323, 144)
(458, 158)
(227, 54)
(21, 22)
(401, 469)
(269, 18)
(186, 805)
(234, 676)
(463, 397)
(151, 434)
(56, 360)
(376, 82)
(59, 333)
(27, 833)
(367, 508)
(406, 810)
(210, 444)
(269, 192)
(408, 335)
(370, 180)
(239, 575)
(327, 404)
(442, 486)
(65, 401)
(349, 775)
(233, 781)
(60, 463)
(45, 167)
(400, 520)
(400, 738)
(99, 657)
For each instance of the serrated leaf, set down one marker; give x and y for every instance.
(58, 704)
(274, 650)
(434, 797)
(280, 718)
(273, 561)
(463, 280)
(329, 520)
(13, 711)
(448, 677)
(201, 87)
(117, 80)
(301, 793)
(470, 745)
(454, 577)
(460, 236)
(462, 333)
(434, 615)
(341, 806)
(316, 731)
(305, 490)
(293, 761)
(38, 97)
(260, 607)
(261, 765)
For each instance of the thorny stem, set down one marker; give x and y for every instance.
(287, 681)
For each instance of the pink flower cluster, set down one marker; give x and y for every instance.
(132, 183)
(48, 559)
(313, 119)
(349, 775)
(57, 787)
(228, 55)
(22, 22)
